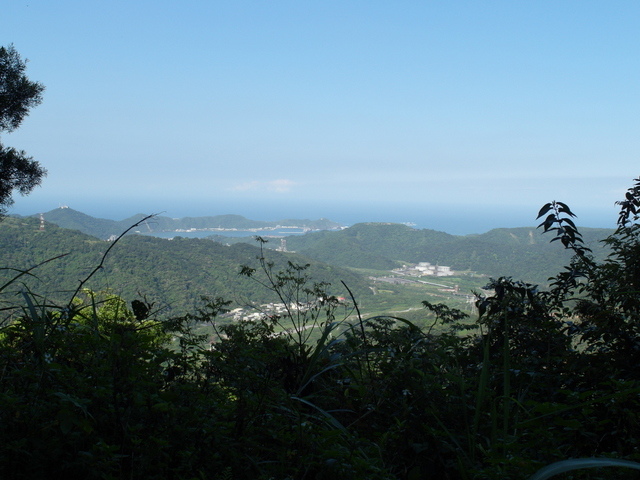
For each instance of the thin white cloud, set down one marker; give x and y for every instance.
(246, 186)
(281, 185)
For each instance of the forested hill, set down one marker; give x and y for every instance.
(104, 228)
(523, 253)
(174, 273)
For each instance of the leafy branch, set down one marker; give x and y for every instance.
(559, 220)
(630, 206)
(104, 257)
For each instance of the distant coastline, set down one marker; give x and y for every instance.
(453, 219)
(268, 232)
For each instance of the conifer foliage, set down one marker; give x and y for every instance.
(17, 96)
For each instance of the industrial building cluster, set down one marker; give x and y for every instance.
(423, 269)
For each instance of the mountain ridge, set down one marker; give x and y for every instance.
(69, 218)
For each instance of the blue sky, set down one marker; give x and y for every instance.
(209, 107)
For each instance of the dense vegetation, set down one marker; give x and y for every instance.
(96, 388)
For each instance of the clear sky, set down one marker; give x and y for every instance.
(202, 107)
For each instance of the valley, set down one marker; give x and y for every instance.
(391, 268)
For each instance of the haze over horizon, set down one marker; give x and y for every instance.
(353, 111)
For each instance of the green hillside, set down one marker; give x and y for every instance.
(524, 253)
(173, 273)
